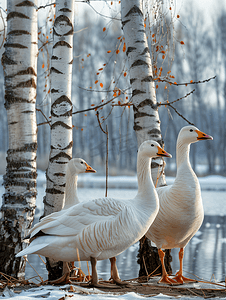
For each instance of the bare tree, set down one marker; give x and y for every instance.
(20, 67)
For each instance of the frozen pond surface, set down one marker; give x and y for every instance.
(205, 255)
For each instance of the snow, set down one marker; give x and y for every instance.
(75, 292)
(78, 293)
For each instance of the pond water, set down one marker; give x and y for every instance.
(205, 254)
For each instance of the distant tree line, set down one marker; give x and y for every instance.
(200, 57)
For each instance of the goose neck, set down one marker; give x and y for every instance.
(71, 197)
(182, 154)
(145, 183)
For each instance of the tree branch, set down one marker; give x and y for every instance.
(185, 83)
(47, 121)
(107, 17)
(98, 119)
(169, 103)
(44, 6)
(180, 114)
(96, 107)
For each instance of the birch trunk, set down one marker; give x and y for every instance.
(146, 117)
(20, 68)
(61, 115)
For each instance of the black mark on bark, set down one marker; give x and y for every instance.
(139, 62)
(26, 3)
(14, 14)
(62, 43)
(54, 70)
(59, 123)
(130, 49)
(16, 45)
(134, 10)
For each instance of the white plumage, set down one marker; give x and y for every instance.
(181, 210)
(101, 228)
(75, 167)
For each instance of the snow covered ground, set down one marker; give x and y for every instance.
(74, 292)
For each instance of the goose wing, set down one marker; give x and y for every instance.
(79, 216)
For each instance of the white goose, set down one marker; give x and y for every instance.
(75, 167)
(181, 210)
(104, 227)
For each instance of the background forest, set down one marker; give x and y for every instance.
(198, 58)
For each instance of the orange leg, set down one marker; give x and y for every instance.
(94, 281)
(179, 277)
(165, 277)
(114, 273)
(114, 270)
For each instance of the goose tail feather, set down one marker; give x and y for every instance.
(31, 249)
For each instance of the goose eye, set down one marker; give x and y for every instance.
(191, 130)
(152, 145)
(81, 162)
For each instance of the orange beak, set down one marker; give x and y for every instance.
(162, 152)
(89, 169)
(203, 136)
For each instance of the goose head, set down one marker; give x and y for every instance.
(79, 165)
(151, 148)
(191, 134)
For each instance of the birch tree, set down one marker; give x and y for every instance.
(20, 67)
(146, 117)
(61, 115)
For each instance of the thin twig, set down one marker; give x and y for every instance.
(149, 275)
(3, 9)
(41, 259)
(79, 261)
(92, 108)
(47, 121)
(186, 83)
(123, 104)
(145, 266)
(193, 292)
(106, 192)
(106, 132)
(44, 6)
(4, 29)
(203, 293)
(168, 103)
(209, 282)
(6, 277)
(180, 114)
(43, 123)
(33, 269)
(98, 106)
(88, 269)
(100, 13)
(100, 123)
(161, 172)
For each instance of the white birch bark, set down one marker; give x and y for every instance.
(61, 114)
(20, 68)
(146, 117)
